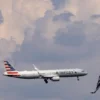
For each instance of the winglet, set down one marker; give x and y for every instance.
(35, 68)
(98, 86)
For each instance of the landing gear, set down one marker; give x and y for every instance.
(46, 81)
(78, 78)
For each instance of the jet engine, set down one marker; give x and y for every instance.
(55, 78)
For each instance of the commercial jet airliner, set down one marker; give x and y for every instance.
(53, 75)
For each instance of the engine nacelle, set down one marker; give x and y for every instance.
(55, 78)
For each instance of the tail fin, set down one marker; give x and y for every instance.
(8, 66)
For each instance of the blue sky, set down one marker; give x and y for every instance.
(51, 34)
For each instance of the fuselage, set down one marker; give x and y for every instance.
(35, 75)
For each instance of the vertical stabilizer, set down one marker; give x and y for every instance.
(8, 66)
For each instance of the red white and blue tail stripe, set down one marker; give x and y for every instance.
(8, 66)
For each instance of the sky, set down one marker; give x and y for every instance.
(51, 34)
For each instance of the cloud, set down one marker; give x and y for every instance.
(17, 17)
(59, 3)
(95, 16)
(73, 36)
(63, 17)
(83, 13)
(33, 31)
(51, 22)
(1, 18)
(71, 43)
(47, 27)
(18, 14)
(54, 39)
(9, 28)
(32, 9)
(7, 48)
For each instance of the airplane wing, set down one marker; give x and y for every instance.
(45, 75)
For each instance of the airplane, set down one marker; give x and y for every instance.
(53, 75)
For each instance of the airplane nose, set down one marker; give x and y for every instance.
(85, 73)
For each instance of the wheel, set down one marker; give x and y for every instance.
(46, 81)
(78, 78)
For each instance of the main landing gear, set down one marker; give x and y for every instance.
(46, 81)
(78, 78)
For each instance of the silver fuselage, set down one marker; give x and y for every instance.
(59, 72)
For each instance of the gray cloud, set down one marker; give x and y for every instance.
(7, 48)
(74, 44)
(95, 16)
(72, 36)
(59, 3)
(38, 49)
(1, 18)
(63, 17)
(69, 44)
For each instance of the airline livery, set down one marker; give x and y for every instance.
(53, 75)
